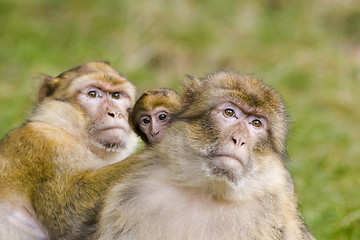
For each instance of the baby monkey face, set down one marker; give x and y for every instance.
(153, 123)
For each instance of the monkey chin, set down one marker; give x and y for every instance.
(109, 146)
(230, 162)
(228, 166)
(113, 147)
(110, 139)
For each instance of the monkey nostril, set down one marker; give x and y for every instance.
(235, 141)
(111, 114)
(155, 133)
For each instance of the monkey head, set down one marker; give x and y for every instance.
(152, 112)
(235, 122)
(103, 97)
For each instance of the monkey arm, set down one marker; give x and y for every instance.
(70, 211)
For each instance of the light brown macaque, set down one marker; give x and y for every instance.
(152, 113)
(218, 172)
(80, 124)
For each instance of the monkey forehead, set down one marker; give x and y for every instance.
(160, 95)
(89, 67)
(152, 99)
(246, 88)
(172, 104)
(166, 92)
(106, 81)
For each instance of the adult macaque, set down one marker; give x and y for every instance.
(218, 173)
(80, 124)
(152, 113)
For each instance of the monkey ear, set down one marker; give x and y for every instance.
(47, 88)
(191, 88)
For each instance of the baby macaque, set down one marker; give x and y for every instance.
(152, 113)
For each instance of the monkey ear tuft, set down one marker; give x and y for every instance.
(48, 87)
(191, 88)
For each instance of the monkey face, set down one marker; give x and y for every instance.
(152, 113)
(153, 123)
(107, 111)
(239, 133)
(103, 96)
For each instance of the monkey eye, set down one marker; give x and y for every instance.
(116, 95)
(229, 112)
(145, 120)
(162, 116)
(92, 94)
(256, 123)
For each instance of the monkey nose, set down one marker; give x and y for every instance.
(111, 114)
(114, 115)
(238, 142)
(155, 133)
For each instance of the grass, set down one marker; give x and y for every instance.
(308, 50)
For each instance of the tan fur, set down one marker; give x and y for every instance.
(176, 193)
(40, 160)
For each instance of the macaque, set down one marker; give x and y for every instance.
(152, 113)
(218, 172)
(80, 124)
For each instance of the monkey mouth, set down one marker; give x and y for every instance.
(229, 161)
(112, 128)
(112, 146)
(154, 139)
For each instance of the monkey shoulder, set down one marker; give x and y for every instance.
(41, 150)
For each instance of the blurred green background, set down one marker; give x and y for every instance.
(308, 50)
